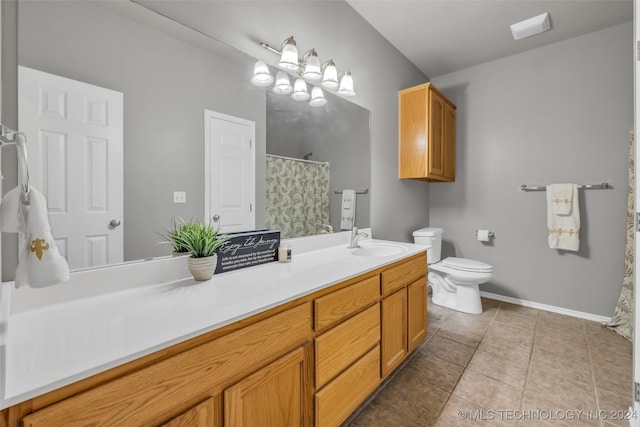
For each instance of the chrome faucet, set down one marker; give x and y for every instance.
(354, 238)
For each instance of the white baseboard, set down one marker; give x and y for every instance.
(545, 307)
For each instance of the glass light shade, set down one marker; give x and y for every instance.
(283, 85)
(289, 55)
(346, 85)
(300, 91)
(261, 76)
(312, 69)
(330, 76)
(317, 97)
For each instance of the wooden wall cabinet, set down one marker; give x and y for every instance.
(427, 135)
(309, 362)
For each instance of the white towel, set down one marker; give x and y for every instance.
(561, 197)
(348, 210)
(9, 211)
(563, 230)
(40, 262)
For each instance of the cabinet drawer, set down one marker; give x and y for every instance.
(403, 274)
(338, 348)
(338, 305)
(202, 415)
(342, 396)
(165, 389)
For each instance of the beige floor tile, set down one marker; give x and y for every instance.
(541, 383)
(458, 333)
(513, 333)
(435, 371)
(560, 347)
(576, 369)
(596, 333)
(539, 411)
(520, 310)
(602, 355)
(452, 351)
(413, 398)
(487, 392)
(570, 336)
(613, 380)
(378, 415)
(515, 318)
(614, 408)
(560, 321)
(501, 369)
(460, 412)
(504, 347)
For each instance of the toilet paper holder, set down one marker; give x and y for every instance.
(491, 234)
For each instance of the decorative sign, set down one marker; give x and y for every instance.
(247, 248)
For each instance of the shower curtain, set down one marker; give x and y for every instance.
(297, 199)
(622, 320)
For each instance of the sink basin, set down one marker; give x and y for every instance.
(374, 249)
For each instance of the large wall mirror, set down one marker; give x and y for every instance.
(168, 75)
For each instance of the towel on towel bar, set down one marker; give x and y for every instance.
(563, 230)
(348, 210)
(40, 262)
(561, 197)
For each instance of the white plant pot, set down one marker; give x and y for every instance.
(203, 268)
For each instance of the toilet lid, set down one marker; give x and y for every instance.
(467, 265)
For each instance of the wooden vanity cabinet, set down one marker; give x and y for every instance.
(309, 362)
(427, 135)
(404, 311)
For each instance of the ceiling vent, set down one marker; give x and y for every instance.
(531, 27)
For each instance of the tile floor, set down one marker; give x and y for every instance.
(510, 365)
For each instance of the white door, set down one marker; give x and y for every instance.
(74, 149)
(229, 171)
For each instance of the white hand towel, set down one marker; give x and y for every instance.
(561, 197)
(9, 211)
(563, 230)
(348, 210)
(40, 263)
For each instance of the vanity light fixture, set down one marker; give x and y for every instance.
(261, 76)
(330, 75)
(312, 70)
(300, 91)
(308, 69)
(289, 55)
(317, 97)
(283, 85)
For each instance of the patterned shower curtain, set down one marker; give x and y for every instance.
(622, 320)
(297, 196)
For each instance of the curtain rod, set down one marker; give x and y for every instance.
(293, 158)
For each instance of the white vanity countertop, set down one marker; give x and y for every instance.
(46, 346)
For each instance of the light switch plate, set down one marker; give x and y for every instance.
(179, 197)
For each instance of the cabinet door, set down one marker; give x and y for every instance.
(277, 395)
(417, 312)
(202, 415)
(394, 330)
(436, 165)
(449, 142)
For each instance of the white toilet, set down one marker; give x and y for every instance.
(454, 281)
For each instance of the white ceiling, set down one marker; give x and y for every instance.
(442, 36)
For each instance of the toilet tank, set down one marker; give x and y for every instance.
(431, 236)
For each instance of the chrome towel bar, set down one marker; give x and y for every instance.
(603, 186)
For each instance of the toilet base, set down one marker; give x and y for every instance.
(464, 298)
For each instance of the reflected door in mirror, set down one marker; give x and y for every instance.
(74, 149)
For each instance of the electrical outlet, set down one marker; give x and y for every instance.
(179, 197)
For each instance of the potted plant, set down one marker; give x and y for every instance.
(201, 241)
(174, 236)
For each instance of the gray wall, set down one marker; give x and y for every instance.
(167, 83)
(561, 113)
(336, 31)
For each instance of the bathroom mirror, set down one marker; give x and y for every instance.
(168, 75)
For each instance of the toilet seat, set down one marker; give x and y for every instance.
(464, 264)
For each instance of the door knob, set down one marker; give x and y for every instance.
(216, 218)
(114, 223)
